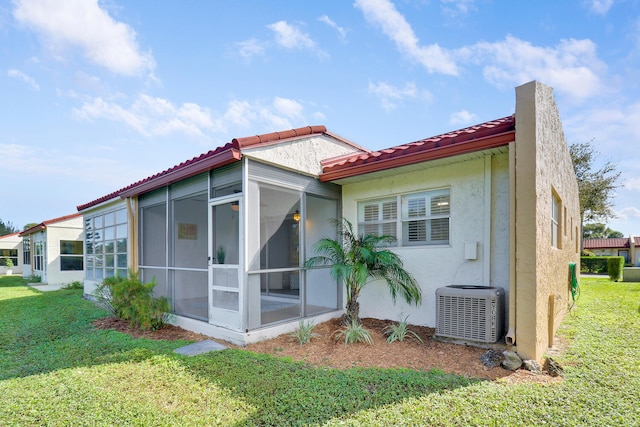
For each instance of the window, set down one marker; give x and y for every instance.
(38, 259)
(379, 217)
(555, 221)
(26, 251)
(106, 245)
(423, 218)
(8, 254)
(71, 255)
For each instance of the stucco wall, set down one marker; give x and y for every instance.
(542, 168)
(13, 241)
(437, 266)
(71, 229)
(302, 155)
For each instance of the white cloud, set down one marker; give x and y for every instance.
(83, 24)
(462, 118)
(383, 14)
(600, 7)
(632, 184)
(291, 37)
(341, 31)
(627, 213)
(611, 127)
(390, 95)
(250, 48)
(571, 67)
(457, 7)
(151, 116)
(16, 74)
(279, 114)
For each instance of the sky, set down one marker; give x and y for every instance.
(96, 95)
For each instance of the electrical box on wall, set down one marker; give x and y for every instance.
(470, 250)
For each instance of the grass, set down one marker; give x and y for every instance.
(56, 370)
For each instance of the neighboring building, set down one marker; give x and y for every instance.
(627, 247)
(54, 250)
(225, 235)
(11, 249)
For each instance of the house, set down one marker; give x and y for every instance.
(627, 247)
(11, 249)
(225, 234)
(54, 250)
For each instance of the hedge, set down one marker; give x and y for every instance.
(615, 265)
(599, 264)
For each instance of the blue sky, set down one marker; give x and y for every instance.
(95, 95)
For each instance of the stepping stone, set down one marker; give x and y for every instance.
(199, 348)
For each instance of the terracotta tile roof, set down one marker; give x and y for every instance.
(43, 225)
(10, 235)
(615, 242)
(483, 136)
(221, 156)
(278, 136)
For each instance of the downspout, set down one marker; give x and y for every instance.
(132, 222)
(510, 338)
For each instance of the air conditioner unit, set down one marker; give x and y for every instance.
(474, 313)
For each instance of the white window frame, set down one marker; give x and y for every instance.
(411, 210)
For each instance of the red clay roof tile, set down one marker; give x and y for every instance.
(218, 157)
(483, 136)
(48, 222)
(614, 242)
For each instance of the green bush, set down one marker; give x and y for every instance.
(130, 299)
(615, 264)
(595, 264)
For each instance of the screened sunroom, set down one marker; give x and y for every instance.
(227, 247)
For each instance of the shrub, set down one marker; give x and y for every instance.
(595, 264)
(304, 333)
(615, 265)
(400, 331)
(353, 333)
(74, 285)
(9, 264)
(130, 299)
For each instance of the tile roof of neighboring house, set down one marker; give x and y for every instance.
(221, 156)
(483, 136)
(10, 235)
(48, 222)
(614, 242)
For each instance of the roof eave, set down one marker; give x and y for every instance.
(478, 144)
(218, 160)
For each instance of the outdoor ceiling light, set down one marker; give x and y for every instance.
(296, 216)
(235, 206)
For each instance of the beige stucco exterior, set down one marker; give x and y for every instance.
(12, 241)
(70, 229)
(541, 169)
(479, 187)
(501, 201)
(301, 154)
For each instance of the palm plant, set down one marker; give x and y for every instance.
(358, 260)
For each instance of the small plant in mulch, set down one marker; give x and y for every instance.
(130, 299)
(354, 332)
(304, 333)
(400, 331)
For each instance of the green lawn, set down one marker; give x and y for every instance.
(56, 370)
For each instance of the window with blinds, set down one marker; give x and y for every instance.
(378, 217)
(423, 217)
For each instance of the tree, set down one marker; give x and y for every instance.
(7, 228)
(596, 187)
(598, 230)
(359, 260)
(28, 226)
